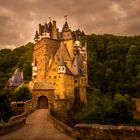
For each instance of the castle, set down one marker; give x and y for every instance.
(59, 68)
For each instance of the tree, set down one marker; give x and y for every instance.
(121, 110)
(5, 107)
(22, 93)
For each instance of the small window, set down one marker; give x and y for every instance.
(63, 69)
(53, 69)
(54, 83)
(54, 77)
(49, 76)
(75, 81)
(59, 76)
(82, 80)
(56, 63)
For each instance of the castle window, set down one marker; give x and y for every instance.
(82, 80)
(54, 77)
(53, 69)
(85, 79)
(49, 76)
(56, 63)
(75, 81)
(54, 83)
(59, 76)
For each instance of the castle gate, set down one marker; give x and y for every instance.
(42, 102)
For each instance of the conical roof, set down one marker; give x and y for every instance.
(76, 68)
(62, 62)
(65, 27)
(36, 35)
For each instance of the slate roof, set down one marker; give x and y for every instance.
(36, 35)
(65, 27)
(16, 79)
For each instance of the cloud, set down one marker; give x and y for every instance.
(19, 19)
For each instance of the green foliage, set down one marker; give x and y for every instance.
(121, 110)
(18, 58)
(22, 93)
(104, 109)
(5, 108)
(113, 63)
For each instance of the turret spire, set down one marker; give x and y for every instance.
(36, 35)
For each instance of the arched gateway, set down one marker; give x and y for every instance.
(42, 102)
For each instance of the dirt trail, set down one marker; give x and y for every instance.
(37, 128)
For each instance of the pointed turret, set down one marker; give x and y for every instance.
(66, 32)
(36, 37)
(65, 27)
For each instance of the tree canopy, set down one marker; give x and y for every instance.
(17, 58)
(22, 93)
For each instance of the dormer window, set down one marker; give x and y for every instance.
(61, 69)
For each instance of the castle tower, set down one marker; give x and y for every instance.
(67, 38)
(54, 30)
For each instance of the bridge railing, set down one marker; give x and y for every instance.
(108, 132)
(15, 122)
(60, 125)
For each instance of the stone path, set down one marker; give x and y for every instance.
(37, 128)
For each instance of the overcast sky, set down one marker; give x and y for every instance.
(19, 18)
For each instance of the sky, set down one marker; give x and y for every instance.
(20, 18)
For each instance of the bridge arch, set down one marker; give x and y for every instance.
(42, 102)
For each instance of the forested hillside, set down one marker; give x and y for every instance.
(114, 76)
(18, 58)
(114, 63)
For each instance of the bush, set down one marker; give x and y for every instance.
(22, 93)
(5, 107)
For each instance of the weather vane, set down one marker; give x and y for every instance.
(66, 17)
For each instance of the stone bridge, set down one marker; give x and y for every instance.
(37, 127)
(40, 125)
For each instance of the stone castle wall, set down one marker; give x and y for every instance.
(105, 132)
